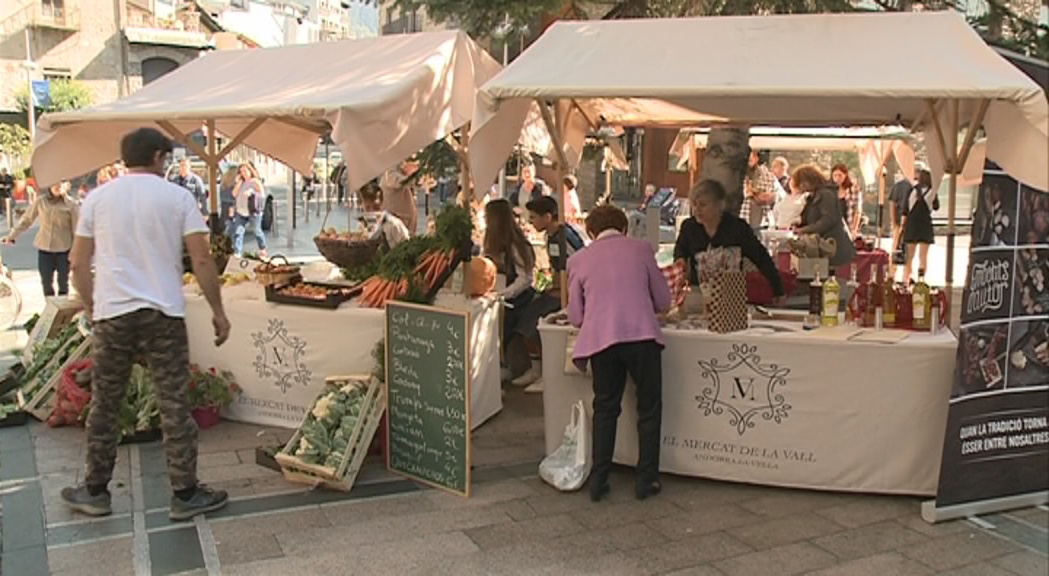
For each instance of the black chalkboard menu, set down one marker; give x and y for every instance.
(427, 395)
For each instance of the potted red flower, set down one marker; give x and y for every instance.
(210, 391)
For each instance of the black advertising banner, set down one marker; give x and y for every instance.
(997, 438)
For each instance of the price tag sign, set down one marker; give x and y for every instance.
(428, 395)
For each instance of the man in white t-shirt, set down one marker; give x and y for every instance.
(134, 228)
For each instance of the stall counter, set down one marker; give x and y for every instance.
(793, 409)
(280, 354)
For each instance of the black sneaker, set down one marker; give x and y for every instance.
(204, 499)
(80, 499)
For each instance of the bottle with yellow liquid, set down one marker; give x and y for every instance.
(831, 300)
(888, 298)
(921, 302)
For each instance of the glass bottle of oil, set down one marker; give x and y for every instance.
(921, 302)
(831, 300)
(888, 298)
(815, 302)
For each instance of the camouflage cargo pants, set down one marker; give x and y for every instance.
(162, 341)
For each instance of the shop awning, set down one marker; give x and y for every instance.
(382, 98)
(791, 71)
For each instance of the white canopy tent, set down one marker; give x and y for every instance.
(383, 99)
(730, 70)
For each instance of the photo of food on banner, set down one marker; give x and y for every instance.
(994, 223)
(981, 362)
(1032, 282)
(1034, 216)
(1029, 354)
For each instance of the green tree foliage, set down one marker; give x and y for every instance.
(66, 95)
(14, 140)
(483, 18)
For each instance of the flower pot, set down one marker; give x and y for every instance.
(206, 416)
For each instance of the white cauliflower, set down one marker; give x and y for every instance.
(320, 409)
(304, 447)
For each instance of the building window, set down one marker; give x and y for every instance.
(154, 68)
(58, 74)
(53, 8)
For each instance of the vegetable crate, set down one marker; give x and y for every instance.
(42, 401)
(341, 478)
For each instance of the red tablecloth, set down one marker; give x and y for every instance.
(863, 262)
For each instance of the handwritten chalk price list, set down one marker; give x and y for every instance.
(428, 387)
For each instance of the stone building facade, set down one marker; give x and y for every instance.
(112, 46)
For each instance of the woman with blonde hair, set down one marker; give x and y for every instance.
(57, 214)
(248, 197)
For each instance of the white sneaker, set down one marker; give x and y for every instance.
(535, 387)
(530, 376)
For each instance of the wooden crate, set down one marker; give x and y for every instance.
(42, 402)
(343, 477)
(58, 313)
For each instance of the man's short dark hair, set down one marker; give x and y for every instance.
(139, 148)
(543, 206)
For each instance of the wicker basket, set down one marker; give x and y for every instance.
(268, 279)
(348, 253)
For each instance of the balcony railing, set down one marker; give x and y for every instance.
(54, 17)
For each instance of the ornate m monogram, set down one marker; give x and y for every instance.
(280, 356)
(751, 389)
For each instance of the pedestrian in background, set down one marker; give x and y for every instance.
(57, 213)
(133, 229)
(248, 197)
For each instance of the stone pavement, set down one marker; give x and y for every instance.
(512, 524)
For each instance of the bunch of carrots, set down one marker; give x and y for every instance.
(378, 290)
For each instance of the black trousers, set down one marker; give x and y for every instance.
(643, 362)
(53, 264)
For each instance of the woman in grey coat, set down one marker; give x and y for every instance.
(822, 213)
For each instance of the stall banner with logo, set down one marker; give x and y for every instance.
(997, 438)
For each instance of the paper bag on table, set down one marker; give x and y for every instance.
(727, 306)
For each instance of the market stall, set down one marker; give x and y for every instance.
(820, 430)
(281, 354)
(780, 409)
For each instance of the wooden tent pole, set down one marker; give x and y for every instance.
(562, 171)
(952, 193)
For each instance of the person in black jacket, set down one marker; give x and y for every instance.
(712, 227)
(822, 212)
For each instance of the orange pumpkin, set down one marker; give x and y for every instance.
(480, 276)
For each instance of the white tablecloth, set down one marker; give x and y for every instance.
(280, 354)
(795, 410)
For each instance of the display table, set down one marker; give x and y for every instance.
(280, 354)
(798, 409)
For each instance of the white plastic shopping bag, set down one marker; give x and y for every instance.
(568, 467)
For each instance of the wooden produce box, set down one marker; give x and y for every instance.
(343, 477)
(58, 312)
(42, 402)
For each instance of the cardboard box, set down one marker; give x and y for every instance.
(807, 268)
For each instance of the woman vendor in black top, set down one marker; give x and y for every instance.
(712, 227)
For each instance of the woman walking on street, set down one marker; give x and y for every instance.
(248, 197)
(57, 213)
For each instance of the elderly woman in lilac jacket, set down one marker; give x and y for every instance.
(615, 292)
